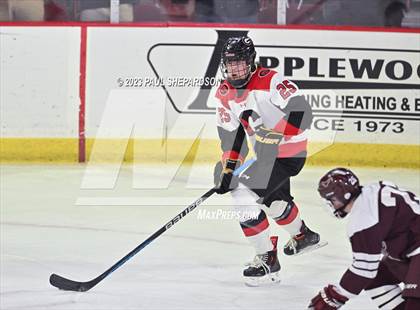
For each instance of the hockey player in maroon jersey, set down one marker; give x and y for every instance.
(262, 105)
(384, 231)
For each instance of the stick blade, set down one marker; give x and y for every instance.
(68, 285)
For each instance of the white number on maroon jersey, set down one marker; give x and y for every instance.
(388, 198)
(224, 116)
(286, 89)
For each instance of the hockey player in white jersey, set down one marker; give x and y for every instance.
(261, 106)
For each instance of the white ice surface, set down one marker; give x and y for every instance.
(49, 225)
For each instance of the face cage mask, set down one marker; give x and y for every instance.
(337, 213)
(239, 82)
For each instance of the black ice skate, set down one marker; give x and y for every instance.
(265, 268)
(305, 241)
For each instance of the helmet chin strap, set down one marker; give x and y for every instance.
(337, 213)
(340, 213)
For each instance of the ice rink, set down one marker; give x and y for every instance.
(50, 225)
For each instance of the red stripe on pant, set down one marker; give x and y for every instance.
(255, 230)
(290, 218)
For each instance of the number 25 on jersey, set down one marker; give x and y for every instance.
(224, 116)
(286, 89)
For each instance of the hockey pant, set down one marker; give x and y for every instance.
(385, 290)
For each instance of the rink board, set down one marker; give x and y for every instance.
(66, 151)
(363, 87)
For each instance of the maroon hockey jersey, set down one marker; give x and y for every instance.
(384, 220)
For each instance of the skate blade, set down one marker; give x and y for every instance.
(311, 248)
(266, 280)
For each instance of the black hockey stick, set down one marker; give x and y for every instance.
(70, 285)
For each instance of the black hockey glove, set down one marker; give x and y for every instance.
(267, 143)
(224, 180)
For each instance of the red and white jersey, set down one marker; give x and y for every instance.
(383, 220)
(266, 100)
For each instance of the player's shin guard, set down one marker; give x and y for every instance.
(286, 215)
(253, 220)
(257, 231)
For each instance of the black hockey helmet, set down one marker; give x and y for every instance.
(339, 186)
(237, 49)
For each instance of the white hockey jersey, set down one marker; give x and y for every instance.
(269, 100)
